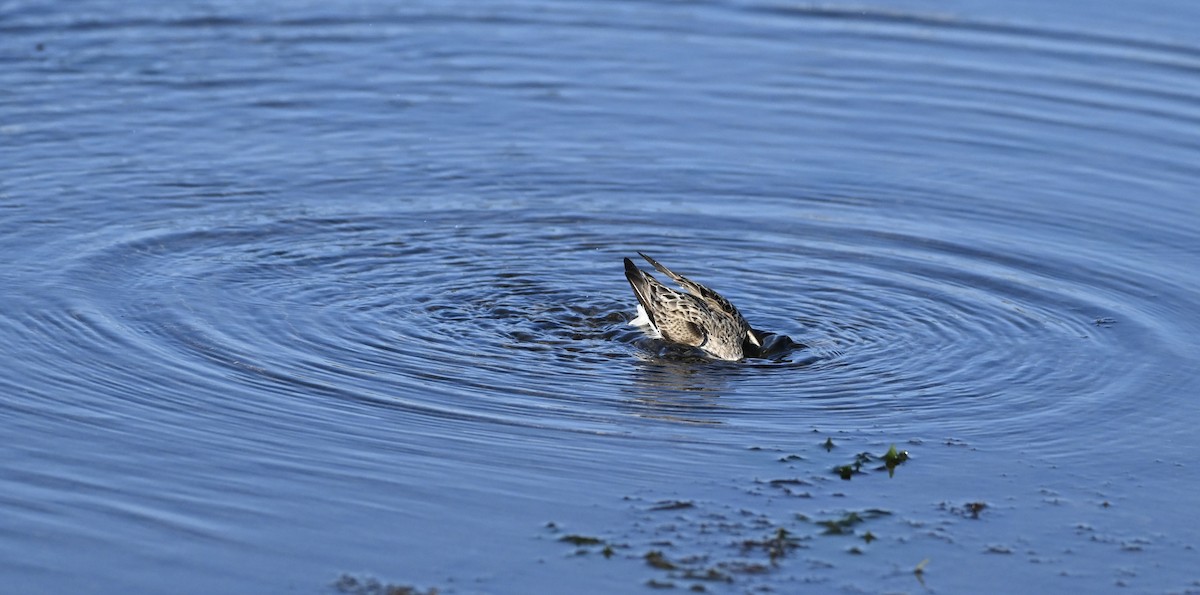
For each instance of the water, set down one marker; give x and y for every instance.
(304, 290)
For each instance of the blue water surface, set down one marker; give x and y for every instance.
(318, 297)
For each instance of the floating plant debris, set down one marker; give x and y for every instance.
(776, 546)
(920, 569)
(842, 525)
(656, 559)
(697, 550)
(845, 524)
(581, 540)
(891, 459)
(347, 583)
(846, 471)
(707, 574)
(672, 505)
(974, 508)
(969, 510)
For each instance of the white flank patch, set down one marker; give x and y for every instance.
(644, 323)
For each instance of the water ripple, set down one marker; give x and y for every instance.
(273, 274)
(454, 319)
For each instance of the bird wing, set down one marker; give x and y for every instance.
(678, 317)
(710, 297)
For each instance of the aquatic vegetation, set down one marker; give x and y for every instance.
(793, 486)
(352, 585)
(753, 556)
(584, 542)
(581, 540)
(656, 559)
(776, 546)
(974, 508)
(855, 468)
(846, 471)
(919, 570)
(846, 523)
(692, 543)
(891, 459)
(969, 510)
(672, 505)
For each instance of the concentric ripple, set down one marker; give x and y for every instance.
(302, 285)
(914, 302)
(456, 318)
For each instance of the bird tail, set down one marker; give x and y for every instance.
(641, 289)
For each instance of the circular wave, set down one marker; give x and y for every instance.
(455, 318)
(893, 264)
(979, 228)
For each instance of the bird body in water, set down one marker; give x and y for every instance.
(697, 317)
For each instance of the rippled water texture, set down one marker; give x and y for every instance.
(301, 296)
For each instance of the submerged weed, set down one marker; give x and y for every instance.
(841, 526)
(347, 583)
(969, 510)
(974, 508)
(919, 570)
(707, 574)
(846, 471)
(891, 459)
(672, 505)
(686, 548)
(656, 559)
(581, 540)
(776, 546)
(845, 525)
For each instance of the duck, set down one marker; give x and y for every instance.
(696, 317)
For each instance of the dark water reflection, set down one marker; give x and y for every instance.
(293, 291)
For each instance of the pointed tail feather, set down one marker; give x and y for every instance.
(713, 298)
(688, 285)
(662, 269)
(641, 287)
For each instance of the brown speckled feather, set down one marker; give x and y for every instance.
(699, 318)
(712, 298)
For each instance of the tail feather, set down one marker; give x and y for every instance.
(641, 288)
(664, 270)
(713, 298)
(690, 286)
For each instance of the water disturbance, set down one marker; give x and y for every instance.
(322, 298)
